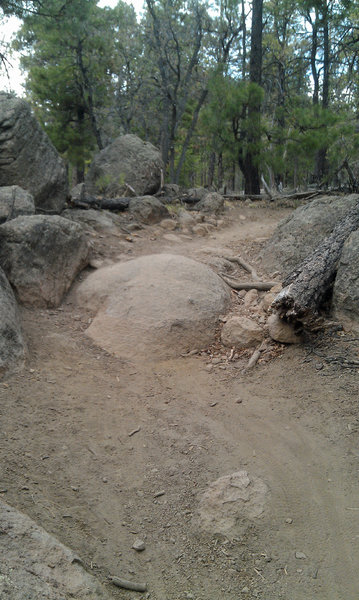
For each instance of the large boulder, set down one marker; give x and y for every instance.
(41, 255)
(27, 156)
(303, 230)
(93, 219)
(346, 286)
(128, 161)
(14, 201)
(34, 565)
(148, 210)
(155, 306)
(12, 347)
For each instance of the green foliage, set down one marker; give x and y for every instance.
(106, 183)
(179, 78)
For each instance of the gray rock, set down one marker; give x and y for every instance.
(128, 161)
(93, 219)
(77, 193)
(148, 210)
(12, 347)
(185, 219)
(346, 287)
(14, 201)
(198, 193)
(231, 504)
(211, 203)
(35, 565)
(139, 545)
(27, 156)
(41, 255)
(303, 230)
(171, 190)
(282, 332)
(241, 332)
(154, 306)
(300, 555)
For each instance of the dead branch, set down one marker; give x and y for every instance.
(242, 263)
(128, 585)
(262, 286)
(256, 355)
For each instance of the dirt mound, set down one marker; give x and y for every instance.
(156, 306)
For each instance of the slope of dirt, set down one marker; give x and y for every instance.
(102, 452)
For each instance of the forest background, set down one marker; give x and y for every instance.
(233, 93)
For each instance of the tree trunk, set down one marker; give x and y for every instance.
(250, 166)
(189, 134)
(306, 287)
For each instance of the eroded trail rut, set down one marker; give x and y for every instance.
(102, 452)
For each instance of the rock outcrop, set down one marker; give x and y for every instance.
(12, 347)
(14, 201)
(157, 306)
(41, 255)
(27, 156)
(299, 234)
(128, 161)
(346, 286)
(34, 565)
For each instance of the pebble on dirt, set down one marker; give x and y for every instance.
(139, 545)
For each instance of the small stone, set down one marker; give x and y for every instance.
(139, 545)
(289, 521)
(216, 361)
(280, 331)
(245, 590)
(213, 404)
(300, 555)
(239, 401)
(104, 479)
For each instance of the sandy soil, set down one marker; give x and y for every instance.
(70, 462)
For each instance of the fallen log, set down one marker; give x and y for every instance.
(101, 203)
(306, 287)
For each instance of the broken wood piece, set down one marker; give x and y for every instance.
(255, 356)
(263, 286)
(245, 265)
(128, 585)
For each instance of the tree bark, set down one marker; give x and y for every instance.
(306, 287)
(250, 166)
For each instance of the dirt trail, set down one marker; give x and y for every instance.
(69, 460)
